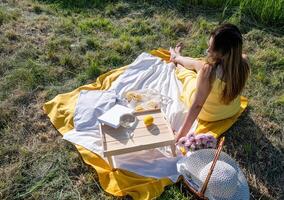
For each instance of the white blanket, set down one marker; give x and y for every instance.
(146, 71)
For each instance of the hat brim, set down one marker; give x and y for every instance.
(192, 165)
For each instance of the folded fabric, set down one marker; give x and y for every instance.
(120, 182)
(91, 105)
(61, 109)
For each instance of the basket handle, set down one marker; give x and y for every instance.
(216, 156)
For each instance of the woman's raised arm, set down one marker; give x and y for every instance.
(190, 63)
(187, 62)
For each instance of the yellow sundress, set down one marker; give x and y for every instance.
(213, 109)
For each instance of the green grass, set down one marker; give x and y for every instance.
(265, 11)
(7, 15)
(49, 47)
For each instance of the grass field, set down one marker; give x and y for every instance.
(48, 48)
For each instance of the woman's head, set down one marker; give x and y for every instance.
(225, 49)
(223, 40)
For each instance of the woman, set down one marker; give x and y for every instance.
(217, 81)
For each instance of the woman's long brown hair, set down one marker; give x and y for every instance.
(227, 43)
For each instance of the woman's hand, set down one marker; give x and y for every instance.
(178, 136)
(176, 52)
(173, 55)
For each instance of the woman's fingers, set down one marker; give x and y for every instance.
(180, 44)
(173, 54)
(179, 47)
(177, 137)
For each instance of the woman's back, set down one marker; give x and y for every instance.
(213, 109)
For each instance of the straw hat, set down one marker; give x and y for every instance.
(227, 180)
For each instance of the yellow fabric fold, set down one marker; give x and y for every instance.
(117, 182)
(120, 182)
(216, 128)
(161, 53)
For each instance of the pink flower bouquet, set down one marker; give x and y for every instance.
(192, 142)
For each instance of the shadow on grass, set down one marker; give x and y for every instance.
(261, 162)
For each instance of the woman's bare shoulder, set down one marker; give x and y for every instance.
(245, 58)
(206, 70)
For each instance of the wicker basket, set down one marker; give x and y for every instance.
(200, 194)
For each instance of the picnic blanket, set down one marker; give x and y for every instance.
(143, 174)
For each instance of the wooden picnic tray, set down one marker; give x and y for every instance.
(159, 134)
